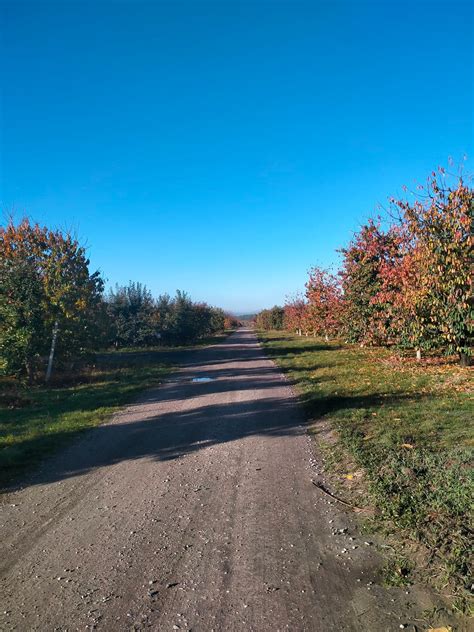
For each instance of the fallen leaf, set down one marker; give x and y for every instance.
(407, 445)
(443, 629)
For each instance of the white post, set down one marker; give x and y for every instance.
(51, 353)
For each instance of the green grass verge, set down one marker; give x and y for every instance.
(407, 425)
(37, 421)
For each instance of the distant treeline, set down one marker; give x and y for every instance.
(249, 318)
(52, 305)
(405, 280)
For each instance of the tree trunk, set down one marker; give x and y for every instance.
(29, 371)
(465, 359)
(418, 355)
(51, 353)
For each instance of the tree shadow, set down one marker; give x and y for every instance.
(307, 348)
(319, 406)
(154, 428)
(172, 435)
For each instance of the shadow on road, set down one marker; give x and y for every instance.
(246, 396)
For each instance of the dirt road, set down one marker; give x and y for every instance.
(193, 509)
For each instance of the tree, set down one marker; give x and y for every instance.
(73, 295)
(47, 287)
(133, 316)
(230, 321)
(440, 224)
(323, 294)
(365, 319)
(22, 327)
(294, 314)
(138, 319)
(270, 318)
(403, 296)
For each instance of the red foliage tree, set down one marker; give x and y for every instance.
(295, 314)
(323, 293)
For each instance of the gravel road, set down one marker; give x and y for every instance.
(193, 509)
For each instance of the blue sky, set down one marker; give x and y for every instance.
(223, 148)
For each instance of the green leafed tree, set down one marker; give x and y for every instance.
(271, 318)
(46, 287)
(131, 309)
(22, 325)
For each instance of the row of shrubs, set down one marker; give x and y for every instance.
(52, 306)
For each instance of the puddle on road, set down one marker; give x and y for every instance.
(202, 379)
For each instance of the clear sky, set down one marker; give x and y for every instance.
(223, 148)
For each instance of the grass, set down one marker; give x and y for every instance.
(37, 421)
(407, 427)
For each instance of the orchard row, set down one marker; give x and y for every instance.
(405, 279)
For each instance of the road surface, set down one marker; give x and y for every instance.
(193, 509)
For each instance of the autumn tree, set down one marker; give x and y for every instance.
(439, 224)
(402, 298)
(323, 294)
(230, 321)
(295, 314)
(73, 295)
(365, 317)
(48, 299)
